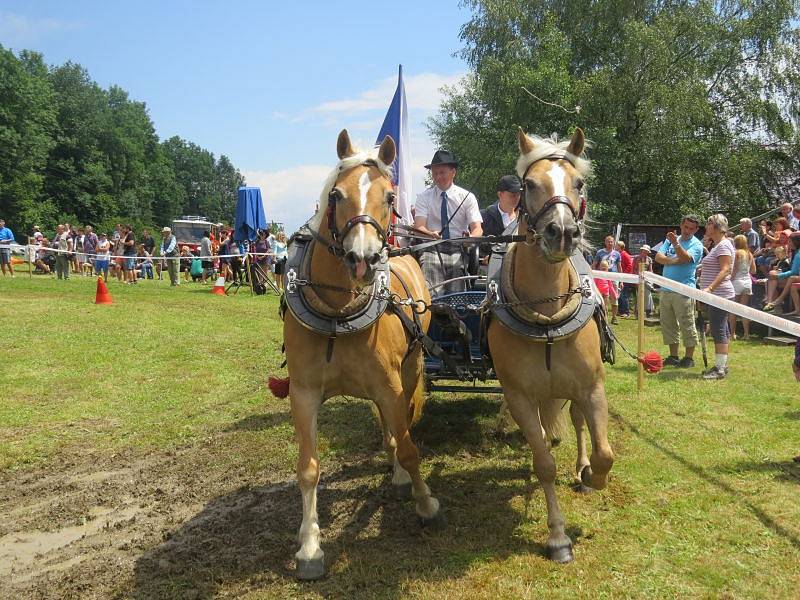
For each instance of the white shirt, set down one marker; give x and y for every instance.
(429, 206)
(507, 217)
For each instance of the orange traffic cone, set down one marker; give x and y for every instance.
(102, 296)
(219, 287)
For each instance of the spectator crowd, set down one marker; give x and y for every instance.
(759, 266)
(127, 257)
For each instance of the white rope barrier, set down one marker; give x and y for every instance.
(746, 312)
(33, 248)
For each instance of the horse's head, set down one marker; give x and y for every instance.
(553, 174)
(356, 206)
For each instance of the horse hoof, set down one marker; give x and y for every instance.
(586, 476)
(561, 554)
(309, 569)
(582, 489)
(436, 522)
(402, 491)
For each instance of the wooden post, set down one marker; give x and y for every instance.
(640, 325)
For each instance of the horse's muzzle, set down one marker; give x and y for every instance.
(362, 269)
(560, 240)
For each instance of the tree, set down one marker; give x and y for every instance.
(692, 106)
(70, 150)
(27, 120)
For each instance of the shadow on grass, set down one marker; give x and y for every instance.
(373, 544)
(260, 422)
(787, 470)
(794, 415)
(711, 478)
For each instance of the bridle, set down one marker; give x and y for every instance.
(551, 202)
(336, 247)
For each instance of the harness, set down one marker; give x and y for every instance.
(366, 308)
(374, 302)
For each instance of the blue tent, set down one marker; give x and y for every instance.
(250, 216)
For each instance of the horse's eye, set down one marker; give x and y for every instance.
(530, 185)
(335, 195)
(579, 184)
(391, 197)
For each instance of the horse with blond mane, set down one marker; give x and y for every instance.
(383, 360)
(540, 376)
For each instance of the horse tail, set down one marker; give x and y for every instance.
(554, 422)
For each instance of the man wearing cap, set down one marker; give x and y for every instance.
(504, 212)
(6, 237)
(446, 211)
(169, 250)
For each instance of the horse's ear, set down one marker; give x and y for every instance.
(344, 147)
(387, 151)
(525, 143)
(577, 143)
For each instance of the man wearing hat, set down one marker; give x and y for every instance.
(446, 211)
(505, 211)
(169, 250)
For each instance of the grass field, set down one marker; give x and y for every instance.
(143, 456)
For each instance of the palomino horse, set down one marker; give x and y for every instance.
(536, 391)
(349, 231)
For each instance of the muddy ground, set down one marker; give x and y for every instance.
(197, 523)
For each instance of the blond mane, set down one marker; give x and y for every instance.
(359, 158)
(553, 148)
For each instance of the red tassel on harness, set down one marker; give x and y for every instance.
(652, 362)
(279, 387)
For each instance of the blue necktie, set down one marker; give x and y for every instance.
(443, 215)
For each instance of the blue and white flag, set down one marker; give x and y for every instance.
(396, 125)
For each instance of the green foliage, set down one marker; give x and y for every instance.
(691, 105)
(70, 150)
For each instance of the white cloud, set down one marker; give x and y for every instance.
(290, 195)
(18, 29)
(422, 93)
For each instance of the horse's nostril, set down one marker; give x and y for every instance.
(374, 258)
(553, 230)
(352, 258)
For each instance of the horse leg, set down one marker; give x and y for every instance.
(595, 409)
(401, 480)
(579, 422)
(526, 414)
(427, 507)
(305, 406)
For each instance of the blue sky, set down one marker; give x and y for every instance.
(269, 84)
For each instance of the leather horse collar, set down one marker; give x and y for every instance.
(541, 331)
(300, 297)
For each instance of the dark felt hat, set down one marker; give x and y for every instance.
(509, 183)
(443, 157)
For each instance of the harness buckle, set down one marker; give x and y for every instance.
(291, 278)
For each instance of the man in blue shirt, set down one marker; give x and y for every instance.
(680, 256)
(6, 237)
